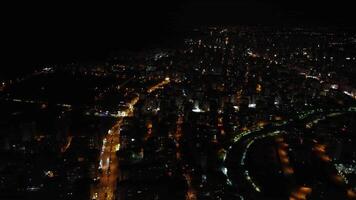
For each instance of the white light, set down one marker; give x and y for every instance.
(197, 110)
(335, 86)
(100, 164)
(347, 93)
(224, 170)
(252, 105)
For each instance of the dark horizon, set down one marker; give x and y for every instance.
(50, 34)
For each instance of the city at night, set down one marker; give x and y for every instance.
(181, 100)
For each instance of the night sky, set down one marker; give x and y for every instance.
(36, 34)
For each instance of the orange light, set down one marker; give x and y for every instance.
(325, 158)
(351, 194)
(278, 118)
(288, 170)
(306, 190)
(258, 88)
(285, 160)
(337, 179)
(282, 152)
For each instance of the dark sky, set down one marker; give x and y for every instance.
(58, 33)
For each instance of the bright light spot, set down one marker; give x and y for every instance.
(49, 174)
(252, 105)
(196, 108)
(335, 86)
(95, 196)
(47, 69)
(224, 170)
(100, 164)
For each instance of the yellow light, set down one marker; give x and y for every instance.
(258, 88)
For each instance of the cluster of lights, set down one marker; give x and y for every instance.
(305, 114)
(345, 170)
(247, 132)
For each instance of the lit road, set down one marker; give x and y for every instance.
(191, 192)
(108, 161)
(159, 85)
(67, 144)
